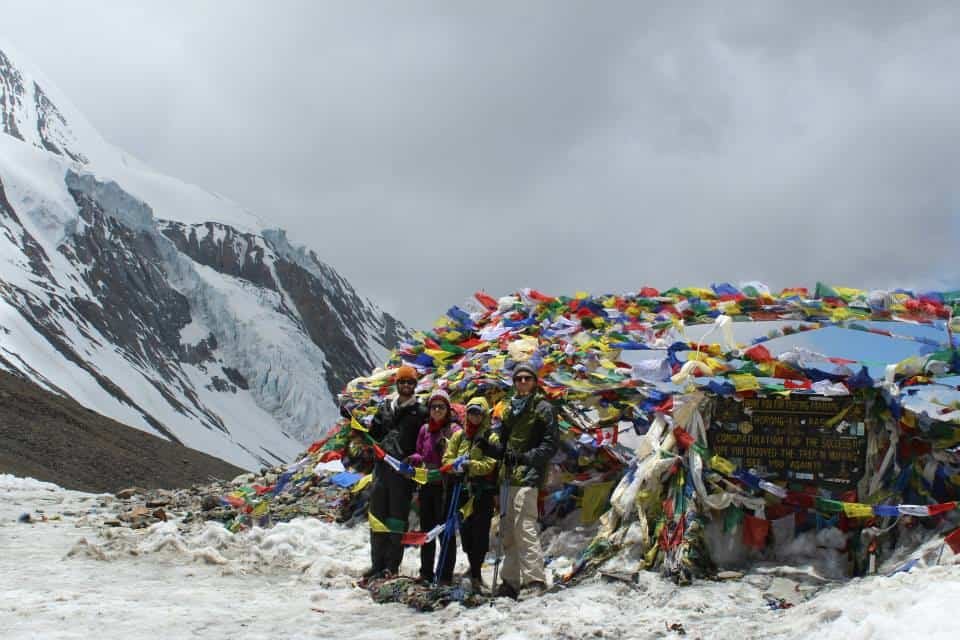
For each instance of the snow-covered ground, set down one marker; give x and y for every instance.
(69, 577)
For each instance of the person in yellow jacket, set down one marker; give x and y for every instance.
(468, 452)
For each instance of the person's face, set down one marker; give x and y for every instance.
(524, 382)
(406, 387)
(438, 410)
(474, 417)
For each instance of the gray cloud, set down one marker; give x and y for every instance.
(427, 149)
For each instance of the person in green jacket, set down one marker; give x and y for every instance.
(467, 450)
(530, 435)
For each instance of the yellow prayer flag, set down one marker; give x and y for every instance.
(361, 483)
(848, 293)
(744, 382)
(420, 475)
(262, 509)
(438, 354)
(857, 510)
(699, 292)
(722, 465)
(608, 413)
(594, 500)
(356, 424)
(730, 307)
(839, 314)
(375, 525)
(467, 509)
(835, 420)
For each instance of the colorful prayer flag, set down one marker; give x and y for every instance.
(755, 532)
(857, 510)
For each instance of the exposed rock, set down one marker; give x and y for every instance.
(126, 494)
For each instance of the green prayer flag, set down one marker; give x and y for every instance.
(732, 517)
(829, 506)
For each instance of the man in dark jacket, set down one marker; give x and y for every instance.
(529, 431)
(394, 428)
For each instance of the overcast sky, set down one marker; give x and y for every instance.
(427, 150)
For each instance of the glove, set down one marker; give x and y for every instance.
(460, 464)
(490, 449)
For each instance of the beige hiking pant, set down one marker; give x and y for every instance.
(523, 558)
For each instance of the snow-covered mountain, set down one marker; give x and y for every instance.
(159, 304)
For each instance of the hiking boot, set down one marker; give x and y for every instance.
(370, 576)
(477, 586)
(533, 589)
(425, 578)
(506, 591)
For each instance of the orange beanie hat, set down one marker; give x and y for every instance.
(406, 372)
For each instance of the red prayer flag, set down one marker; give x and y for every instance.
(755, 532)
(798, 499)
(330, 455)
(540, 297)
(781, 370)
(936, 509)
(413, 538)
(666, 406)
(954, 541)
(470, 343)
(667, 510)
(684, 439)
(486, 300)
(758, 353)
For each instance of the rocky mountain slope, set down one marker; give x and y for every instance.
(159, 304)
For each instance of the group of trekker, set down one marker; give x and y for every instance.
(503, 463)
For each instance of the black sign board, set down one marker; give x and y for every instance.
(811, 439)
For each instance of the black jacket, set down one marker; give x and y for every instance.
(396, 428)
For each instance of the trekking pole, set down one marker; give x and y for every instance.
(504, 496)
(450, 531)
